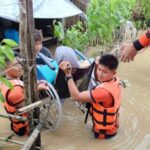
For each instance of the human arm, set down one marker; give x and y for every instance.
(143, 41)
(96, 95)
(128, 52)
(74, 92)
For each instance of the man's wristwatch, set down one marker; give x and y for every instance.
(68, 78)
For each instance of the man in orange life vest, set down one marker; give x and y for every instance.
(128, 52)
(105, 99)
(15, 97)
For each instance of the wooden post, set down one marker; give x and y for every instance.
(32, 138)
(27, 52)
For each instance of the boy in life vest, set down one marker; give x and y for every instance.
(105, 99)
(15, 97)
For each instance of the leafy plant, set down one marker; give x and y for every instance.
(58, 30)
(6, 52)
(75, 37)
(105, 16)
(141, 14)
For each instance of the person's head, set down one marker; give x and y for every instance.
(38, 38)
(13, 68)
(106, 69)
(65, 53)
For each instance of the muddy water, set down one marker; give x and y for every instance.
(134, 131)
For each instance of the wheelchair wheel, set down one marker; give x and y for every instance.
(51, 112)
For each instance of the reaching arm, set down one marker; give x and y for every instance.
(95, 95)
(128, 52)
(76, 95)
(142, 42)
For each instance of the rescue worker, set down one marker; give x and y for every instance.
(15, 97)
(128, 52)
(105, 99)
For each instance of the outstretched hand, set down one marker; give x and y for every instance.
(66, 67)
(127, 53)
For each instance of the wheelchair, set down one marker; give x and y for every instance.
(51, 112)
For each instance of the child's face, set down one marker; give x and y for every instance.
(38, 46)
(14, 69)
(104, 74)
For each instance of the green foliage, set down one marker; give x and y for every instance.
(6, 52)
(145, 4)
(141, 14)
(58, 30)
(105, 16)
(9, 43)
(8, 84)
(1, 97)
(75, 37)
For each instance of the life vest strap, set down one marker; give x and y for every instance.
(103, 123)
(102, 134)
(105, 112)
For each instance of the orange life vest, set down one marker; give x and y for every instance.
(105, 120)
(143, 41)
(19, 127)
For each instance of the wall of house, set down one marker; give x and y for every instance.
(82, 4)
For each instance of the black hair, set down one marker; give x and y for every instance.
(38, 36)
(109, 61)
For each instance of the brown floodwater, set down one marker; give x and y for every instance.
(134, 131)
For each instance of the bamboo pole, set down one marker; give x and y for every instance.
(30, 107)
(13, 117)
(11, 141)
(28, 53)
(28, 144)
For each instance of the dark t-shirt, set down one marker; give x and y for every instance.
(46, 52)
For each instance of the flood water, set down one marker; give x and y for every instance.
(134, 131)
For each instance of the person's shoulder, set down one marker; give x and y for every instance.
(46, 51)
(44, 48)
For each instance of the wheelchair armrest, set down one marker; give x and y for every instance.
(46, 60)
(30, 107)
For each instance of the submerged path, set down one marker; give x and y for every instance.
(134, 131)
